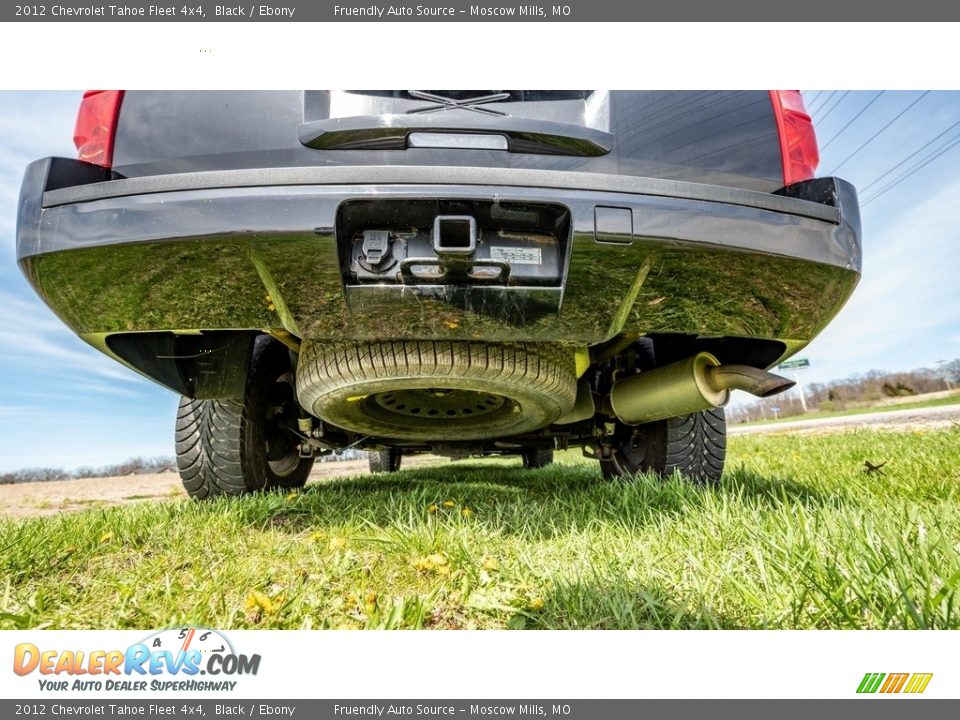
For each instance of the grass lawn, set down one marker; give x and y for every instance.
(797, 536)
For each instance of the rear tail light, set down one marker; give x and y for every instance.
(798, 141)
(96, 126)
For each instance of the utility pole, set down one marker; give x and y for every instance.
(803, 397)
(945, 373)
(796, 365)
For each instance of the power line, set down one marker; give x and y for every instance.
(910, 156)
(942, 151)
(852, 120)
(874, 136)
(832, 107)
(825, 101)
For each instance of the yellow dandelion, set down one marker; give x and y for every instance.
(536, 604)
(292, 496)
(448, 503)
(433, 508)
(432, 563)
(490, 564)
(258, 605)
(467, 512)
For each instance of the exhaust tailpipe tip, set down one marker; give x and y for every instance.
(750, 379)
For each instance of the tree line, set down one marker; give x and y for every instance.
(862, 389)
(133, 466)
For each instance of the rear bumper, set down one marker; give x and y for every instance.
(257, 250)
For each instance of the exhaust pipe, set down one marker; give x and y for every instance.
(688, 386)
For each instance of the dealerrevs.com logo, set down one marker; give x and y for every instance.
(168, 660)
(892, 683)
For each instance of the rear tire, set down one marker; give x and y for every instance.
(534, 458)
(385, 461)
(237, 446)
(693, 445)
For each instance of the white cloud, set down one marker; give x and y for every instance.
(13, 410)
(34, 337)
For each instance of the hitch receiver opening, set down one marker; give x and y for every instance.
(454, 235)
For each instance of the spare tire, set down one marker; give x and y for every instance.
(436, 390)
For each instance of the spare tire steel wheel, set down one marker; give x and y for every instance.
(423, 390)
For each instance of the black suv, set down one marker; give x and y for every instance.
(459, 272)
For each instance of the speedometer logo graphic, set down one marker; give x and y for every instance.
(180, 640)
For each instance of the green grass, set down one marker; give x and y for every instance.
(797, 536)
(953, 399)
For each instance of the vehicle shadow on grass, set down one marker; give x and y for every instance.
(537, 504)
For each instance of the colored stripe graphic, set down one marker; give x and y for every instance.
(918, 682)
(894, 683)
(870, 682)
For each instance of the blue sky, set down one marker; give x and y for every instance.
(62, 404)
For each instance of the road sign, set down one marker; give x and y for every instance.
(794, 364)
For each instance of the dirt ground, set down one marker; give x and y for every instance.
(50, 498)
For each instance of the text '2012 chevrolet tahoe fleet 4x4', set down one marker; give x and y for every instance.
(460, 272)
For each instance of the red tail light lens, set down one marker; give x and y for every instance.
(798, 141)
(96, 125)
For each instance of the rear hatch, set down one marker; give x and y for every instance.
(721, 138)
(541, 122)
